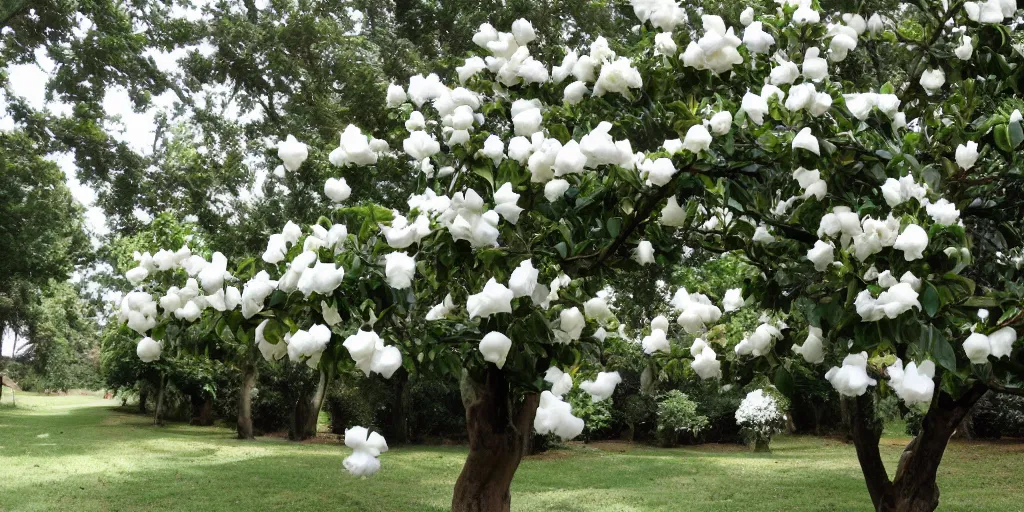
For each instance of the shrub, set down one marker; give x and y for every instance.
(760, 416)
(435, 410)
(677, 414)
(596, 416)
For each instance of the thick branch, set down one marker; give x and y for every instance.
(866, 432)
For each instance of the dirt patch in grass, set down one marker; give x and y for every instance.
(614, 446)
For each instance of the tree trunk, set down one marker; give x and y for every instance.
(914, 489)
(158, 415)
(307, 411)
(399, 428)
(202, 410)
(245, 403)
(760, 445)
(143, 398)
(499, 426)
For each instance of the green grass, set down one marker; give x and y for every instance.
(81, 453)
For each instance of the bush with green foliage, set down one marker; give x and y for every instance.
(677, 415)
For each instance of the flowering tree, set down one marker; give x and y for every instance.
(760, 416)
(535, 183)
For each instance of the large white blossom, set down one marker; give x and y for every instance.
(851, 379)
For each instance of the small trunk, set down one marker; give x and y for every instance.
(245, 403)
(759, 445)
(499, 431)
(307, 411)
(143, 398)
(914, 489)
(399, 428)
(158, 415)
(202, 410)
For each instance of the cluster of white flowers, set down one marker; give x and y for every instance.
(999, 344)
(602, 387)
(913, 384)
(555, 417)
(852, 378)
(759, 342)
(368, 351)
(704, 360)
(695, 311)
(366, 447)
(759, 414)
(811, 349)
(308, 345)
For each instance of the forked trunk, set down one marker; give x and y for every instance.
(307, 411)
(499, 426)
(245, 403)
(914, 489)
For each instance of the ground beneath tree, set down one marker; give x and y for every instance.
(82, 453)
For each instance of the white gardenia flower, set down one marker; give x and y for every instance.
(602, 387)
(441, 310)
(523, 281)
(747, 16)
(966, 48)
(573, 94)
(805, 14)
(852, 378)
(697, 139)
(759, 342)
(861, 105)
(696, 311)
(663, 14)
(932, 80)
(309, 345)
(554, 189)
(292, 153)
(785, 73)
(897, 192)
(756, 39)
(822, 255)
(716, 49)
(570, 326)
(415, 122)
(617, 77)
(875, 24)
(755, 107)
(399, 268)
(322, 278)
(472, 66)
(337, 190)
(913, 384)
(148, 350)
(814, 67)
(805, 140)
(495, 346)
(495, 298)
(673, 214)
(401, 233)
(912, 241)
(555, 417)
(570, 159)
(561, 382)
(136, 275)
(890, 304)
(213, 275)
(811, 350)
(665, 45)
(999, 344)
(886, 280)
(270, 351)
(720, 123)
(943, 212)
(523, 31)
(660, 322)
(658, 172)
(732, 300)
(366, 447)
(762, 236)
(644, 253)
(657, 341)
(354, 148)
(528, 121)
(396, 96)
(597, 309)
(967, 155)
(420, 145)
(705, 362)
(843, 40)
(505, 203)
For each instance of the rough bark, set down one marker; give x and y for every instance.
(914, 488)
(499, 426)
(245, 403)
(760, 445)
(158, 415)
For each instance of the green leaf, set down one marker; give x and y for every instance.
(930, 299)
(1016, 134)
(935, 344)
(784, 381)
(1002, 136)
(561, 248)
(614, 226)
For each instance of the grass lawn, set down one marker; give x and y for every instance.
(80, 453)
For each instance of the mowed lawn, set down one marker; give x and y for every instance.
(80, 453)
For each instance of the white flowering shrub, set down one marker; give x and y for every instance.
(536, 180)
(760, 417)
